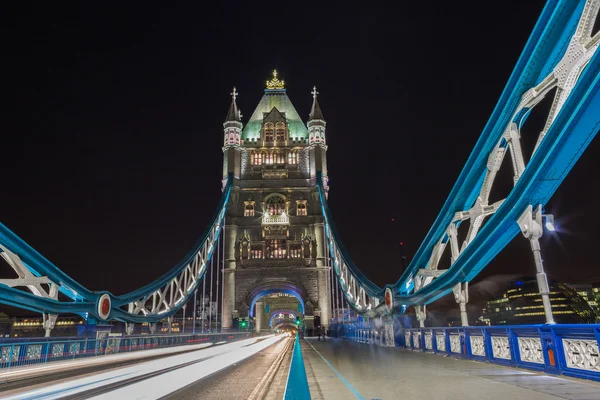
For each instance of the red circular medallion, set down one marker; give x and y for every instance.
(389, 300)
(104, 306)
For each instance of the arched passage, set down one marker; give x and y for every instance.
(284, 325)
(267, 288)
(276, 313)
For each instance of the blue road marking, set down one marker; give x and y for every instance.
(344, 381)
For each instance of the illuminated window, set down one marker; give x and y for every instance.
(295, 251)
(301, 207)
(269, 158)
(293, 157)
(280, 133)
(280, 157)
(275, 205)
(256, 158)
(256, 252)
(269, 133)
(248, 209)
(276, 248)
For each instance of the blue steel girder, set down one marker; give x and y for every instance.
(151, 303)
(559, 53)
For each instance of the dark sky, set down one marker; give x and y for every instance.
(111, 144)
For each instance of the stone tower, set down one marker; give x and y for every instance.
(274, 238)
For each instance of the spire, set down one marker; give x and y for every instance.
(233, 123)
(315, 112)
(316, 123)
(234, 114)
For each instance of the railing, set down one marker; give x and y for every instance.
(40, 351)
(275, 219)
(571, 350)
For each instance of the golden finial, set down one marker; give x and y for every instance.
(275, 83)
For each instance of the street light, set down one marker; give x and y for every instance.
(550, 222)
(532, 228)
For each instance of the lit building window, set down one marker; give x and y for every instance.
(269, 133)
(295, 251)
(293, 157)
(269, 158)
(280, 157)
(301, 207)
(275, 205)
(256, 158)
(276, 248)
(248, 209)
(256, 252)
(280, 133)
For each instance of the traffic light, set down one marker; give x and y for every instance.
(243, 323)
(297, 320)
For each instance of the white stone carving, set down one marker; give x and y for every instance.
(582, 354)
(455, 343)
(440, 341)
(500, 347)
(477, 346)
(429, 341)
(389, 335)
(531, 350)
(417, 340)
(407, 338)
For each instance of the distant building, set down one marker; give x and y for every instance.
(33, 326)
(522, 304)
(590, 293)
(5, 325)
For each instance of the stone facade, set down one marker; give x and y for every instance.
(274, 226)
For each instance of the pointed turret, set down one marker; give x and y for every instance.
(316, 122)
(233, 123)
(234, 113)
(315, 111)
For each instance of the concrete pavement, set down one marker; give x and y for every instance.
(341, 369)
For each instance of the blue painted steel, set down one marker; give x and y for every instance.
(552, 360)
(85, 300)
(570, 134)
(297, 383)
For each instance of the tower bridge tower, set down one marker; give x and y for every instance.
(274, 237)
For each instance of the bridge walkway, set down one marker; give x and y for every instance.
(342, 369)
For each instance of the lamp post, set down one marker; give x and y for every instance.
(532, 228)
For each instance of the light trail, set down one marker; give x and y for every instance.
(168, 374)
(59, 366)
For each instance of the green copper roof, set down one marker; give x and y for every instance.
(279, 100)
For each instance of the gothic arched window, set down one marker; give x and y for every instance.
(256, 158)
(301, 207)
(276, 248)
(248, 209)
(275, 205)
(269, 133)
(293, 157)
(280, 133)
(269, 159)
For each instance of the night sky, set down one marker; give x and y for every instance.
(111, 145)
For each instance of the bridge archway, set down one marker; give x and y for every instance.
(276, 313)
(272, 287)
(284, 325)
